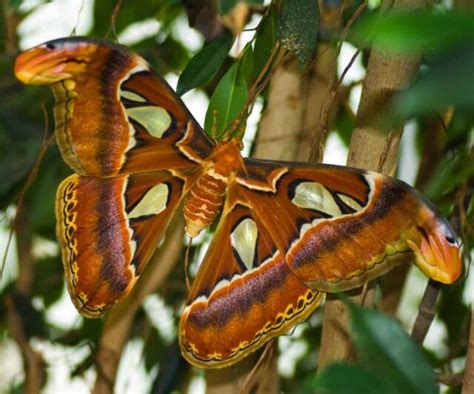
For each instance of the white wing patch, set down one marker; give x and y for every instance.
(155, 120)
(350, 202)
(313, 195)
(152, 203)
(244, 241)
(132, 96)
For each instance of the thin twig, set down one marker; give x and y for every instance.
(79, 13)
(330, 97)
(426, 311)
(113, 18)
(452, 380)
(249, 380)
(33, 360)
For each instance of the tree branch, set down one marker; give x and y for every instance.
(426, 311)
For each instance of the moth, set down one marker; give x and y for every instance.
(288, 231)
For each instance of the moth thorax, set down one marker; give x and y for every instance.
(203, 202)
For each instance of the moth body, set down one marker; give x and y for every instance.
(207, 195)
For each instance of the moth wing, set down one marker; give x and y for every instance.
(340, 227)
(113, 113)
(108, 230)
(244, 293)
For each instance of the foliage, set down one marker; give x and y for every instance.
(442, 93)
(389, 361)
(299, 20)
(205, 64)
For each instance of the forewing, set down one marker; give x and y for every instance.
(244, 293)
(340, 227)
(108, 230)
(114, 115)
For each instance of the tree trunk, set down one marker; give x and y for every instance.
(374, 146)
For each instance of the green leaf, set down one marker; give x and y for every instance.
(443, 85)
(15, 4)
(453, 311)
(298, 30)
(345, 124)
(225, 6)
(49, 280)
(128, 15)
(348, 379)
(451, 172)
(384, 347)
(265, 41)
(154, 347)
(227, 102)
(413, 32)
(205, 64)
(246, 63)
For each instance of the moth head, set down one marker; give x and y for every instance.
(437, 252)
(57, 60)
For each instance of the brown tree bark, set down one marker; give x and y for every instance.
(374, 146)
(118, 323)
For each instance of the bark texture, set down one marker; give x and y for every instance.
(374, 146)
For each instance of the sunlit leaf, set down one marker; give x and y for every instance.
(384, 347)
(298, 30)
(205, 64)
(227, 101)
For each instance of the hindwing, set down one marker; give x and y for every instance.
(244, 294)
(108, 230)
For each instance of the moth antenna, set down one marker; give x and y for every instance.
(251, 377)
(29, 181)
(186, 265)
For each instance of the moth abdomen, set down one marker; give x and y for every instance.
(204, 201)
